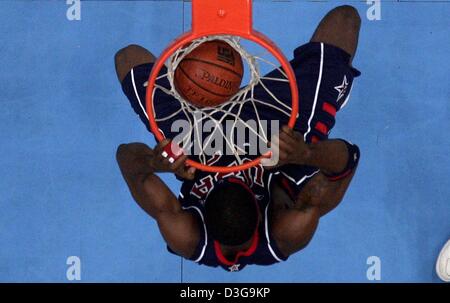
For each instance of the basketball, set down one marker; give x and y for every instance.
(209, 75)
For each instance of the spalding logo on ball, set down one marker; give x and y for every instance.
(209, 75)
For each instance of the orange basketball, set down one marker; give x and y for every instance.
(210, 74)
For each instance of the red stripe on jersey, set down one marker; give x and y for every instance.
(340, 177)
(285, 184)
(322, 128)
(327, 107)
(250, 251)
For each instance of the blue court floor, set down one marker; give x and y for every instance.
(63, 114)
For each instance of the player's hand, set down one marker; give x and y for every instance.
(291, 148)
(178, 167)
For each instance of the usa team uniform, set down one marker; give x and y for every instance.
(324, 78)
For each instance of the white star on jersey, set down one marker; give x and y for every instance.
(235, 267)
(342, 89)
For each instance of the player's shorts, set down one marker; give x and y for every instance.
(325, 79)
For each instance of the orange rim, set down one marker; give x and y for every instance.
(205, 23)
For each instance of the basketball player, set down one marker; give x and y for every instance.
(263, 215)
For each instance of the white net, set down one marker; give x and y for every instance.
(230, 113)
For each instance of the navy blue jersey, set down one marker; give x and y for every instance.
(325, 79)
(263, 250)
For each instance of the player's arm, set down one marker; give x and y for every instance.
(336, 159)
(292, 228)
(138, 164)
(332, 192)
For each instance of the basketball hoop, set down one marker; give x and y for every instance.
(229, 21)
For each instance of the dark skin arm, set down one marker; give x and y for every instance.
(138, 164)
(294, 227)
